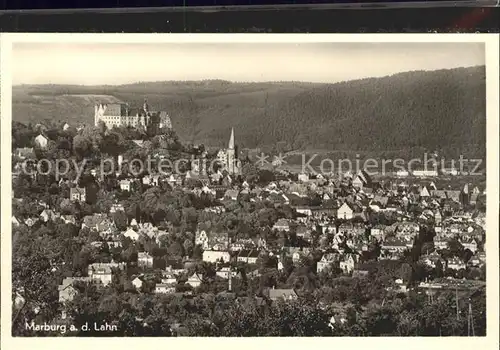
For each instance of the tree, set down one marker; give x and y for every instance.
(439, 269)
(406, 273)
(175, 250)
(197, 252)
(188, 247)
(120, 219)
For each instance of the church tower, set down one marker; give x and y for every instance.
(231, 156)
(143, 119)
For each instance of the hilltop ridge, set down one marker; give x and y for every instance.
(443, 109)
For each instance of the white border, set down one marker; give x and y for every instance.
(491, 341)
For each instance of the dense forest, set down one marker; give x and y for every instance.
(439, 110)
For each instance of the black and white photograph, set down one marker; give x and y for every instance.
(221, 186)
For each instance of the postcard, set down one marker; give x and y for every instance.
(218, 187)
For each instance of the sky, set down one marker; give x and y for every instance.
(118, 63)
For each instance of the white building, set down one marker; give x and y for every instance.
(130, 233)
(41, 141)
(125, 185)
(144, 260)
(326, 260)
(137, 283)
(345, 212)
(425, 173)
(216, 255)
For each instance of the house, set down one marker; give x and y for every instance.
(453, 195)
(469, 243)
(100, 223)
(168, 277)
(402, 173)
(103, 271)
(347, 263)
(425, 173)
(431, 259)
(349, 229)
(15, 222)
(440, 243)
(68, 219)
(116, 207)
(361, 180)
(449, 171)
(303, 177)
(379, 202)
(248, 256)
(216, 255)
(328, 228)
(326, 260)
(77, 194)
(282, 294)
(151, 180)
(225, 272)
(345, 212)
(125, 185)
(303, 232)
(231, 194)
(174, 180)
(137, 282)
(132, 234)
(25, 153)
(323, 211)
(195, 280)
(424, 193)
(296, 256)
(66, 126)
(144, 260)
(440, 194)
(114, 244)
(48, 215)
(161, 288)
(336, 320)
(201, 238)
(394, 245)
(456, 264)
(66, 289)
(211, 240)
(41, 141)
(475, 261)
(31, 221)
(304, 211)
(438, 218)
(242, 244)
(407, 230)
(358, 273)
(282, 225)
(358, 182)
(401, 286)
(378, 232)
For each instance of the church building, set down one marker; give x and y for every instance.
(228, 158)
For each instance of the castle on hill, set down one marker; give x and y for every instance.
(120, 114)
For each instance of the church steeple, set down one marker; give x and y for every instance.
(145, 106)
(231, 139)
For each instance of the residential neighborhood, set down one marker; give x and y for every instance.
(267, 235)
